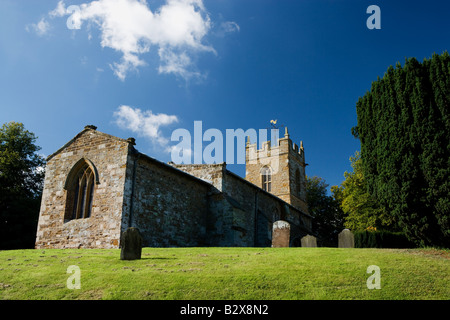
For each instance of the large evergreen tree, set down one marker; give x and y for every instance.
(404, 129)
(21, 182)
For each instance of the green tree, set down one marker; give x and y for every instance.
(21, 182)
(361, 209)
(404, 130)
(326, 210)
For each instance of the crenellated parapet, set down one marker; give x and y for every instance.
(268, 149)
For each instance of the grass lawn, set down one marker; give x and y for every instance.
(226, 273)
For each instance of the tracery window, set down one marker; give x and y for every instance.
(80, 187)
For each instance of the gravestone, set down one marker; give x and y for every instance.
(309, 241)
(280, 234)
(346, 239)
(131, 243)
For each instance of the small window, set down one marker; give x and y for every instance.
(80, 194)
(266, 177)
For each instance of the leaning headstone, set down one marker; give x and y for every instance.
(280, 234)
(346, 239)
(309, 241)
(131, 243)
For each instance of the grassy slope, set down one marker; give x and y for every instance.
(226, 273)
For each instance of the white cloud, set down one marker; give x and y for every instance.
(41, 28)
(176, 63)
(144, 123)
(223, 28)
(180, 152)
(59, 11)
(230, 26)
(177, 29)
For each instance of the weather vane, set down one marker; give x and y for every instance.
(273, 124)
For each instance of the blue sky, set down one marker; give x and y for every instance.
(228, 63)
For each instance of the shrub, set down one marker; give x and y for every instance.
(381, 239)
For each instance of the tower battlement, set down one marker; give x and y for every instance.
(282, 146)
(278, 168)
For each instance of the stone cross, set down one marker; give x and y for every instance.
(280, 234)
(131, 244)
(309, 241)
(346, 239)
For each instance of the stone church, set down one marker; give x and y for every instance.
(97, 185)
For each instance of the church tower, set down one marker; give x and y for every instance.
(278, 169)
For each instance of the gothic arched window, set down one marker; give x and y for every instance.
(80, 186)
(266, 178)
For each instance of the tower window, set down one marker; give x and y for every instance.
(266, 177)
(80, 192)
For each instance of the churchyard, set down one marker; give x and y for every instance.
(226, 273)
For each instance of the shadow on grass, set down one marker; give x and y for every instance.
(151, 258)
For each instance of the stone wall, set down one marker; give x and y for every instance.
(169, 206)
(223, 223)
(102, 229)
(267, 209)
(242, 214)
(211, 173)
(273, 157)
(297, 162)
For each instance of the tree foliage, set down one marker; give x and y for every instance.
(326, 210)
(361, 209)
(404, 129)
(21, 182)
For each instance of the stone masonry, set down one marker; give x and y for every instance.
(287, 165)
(103, 228)
(171, 205)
